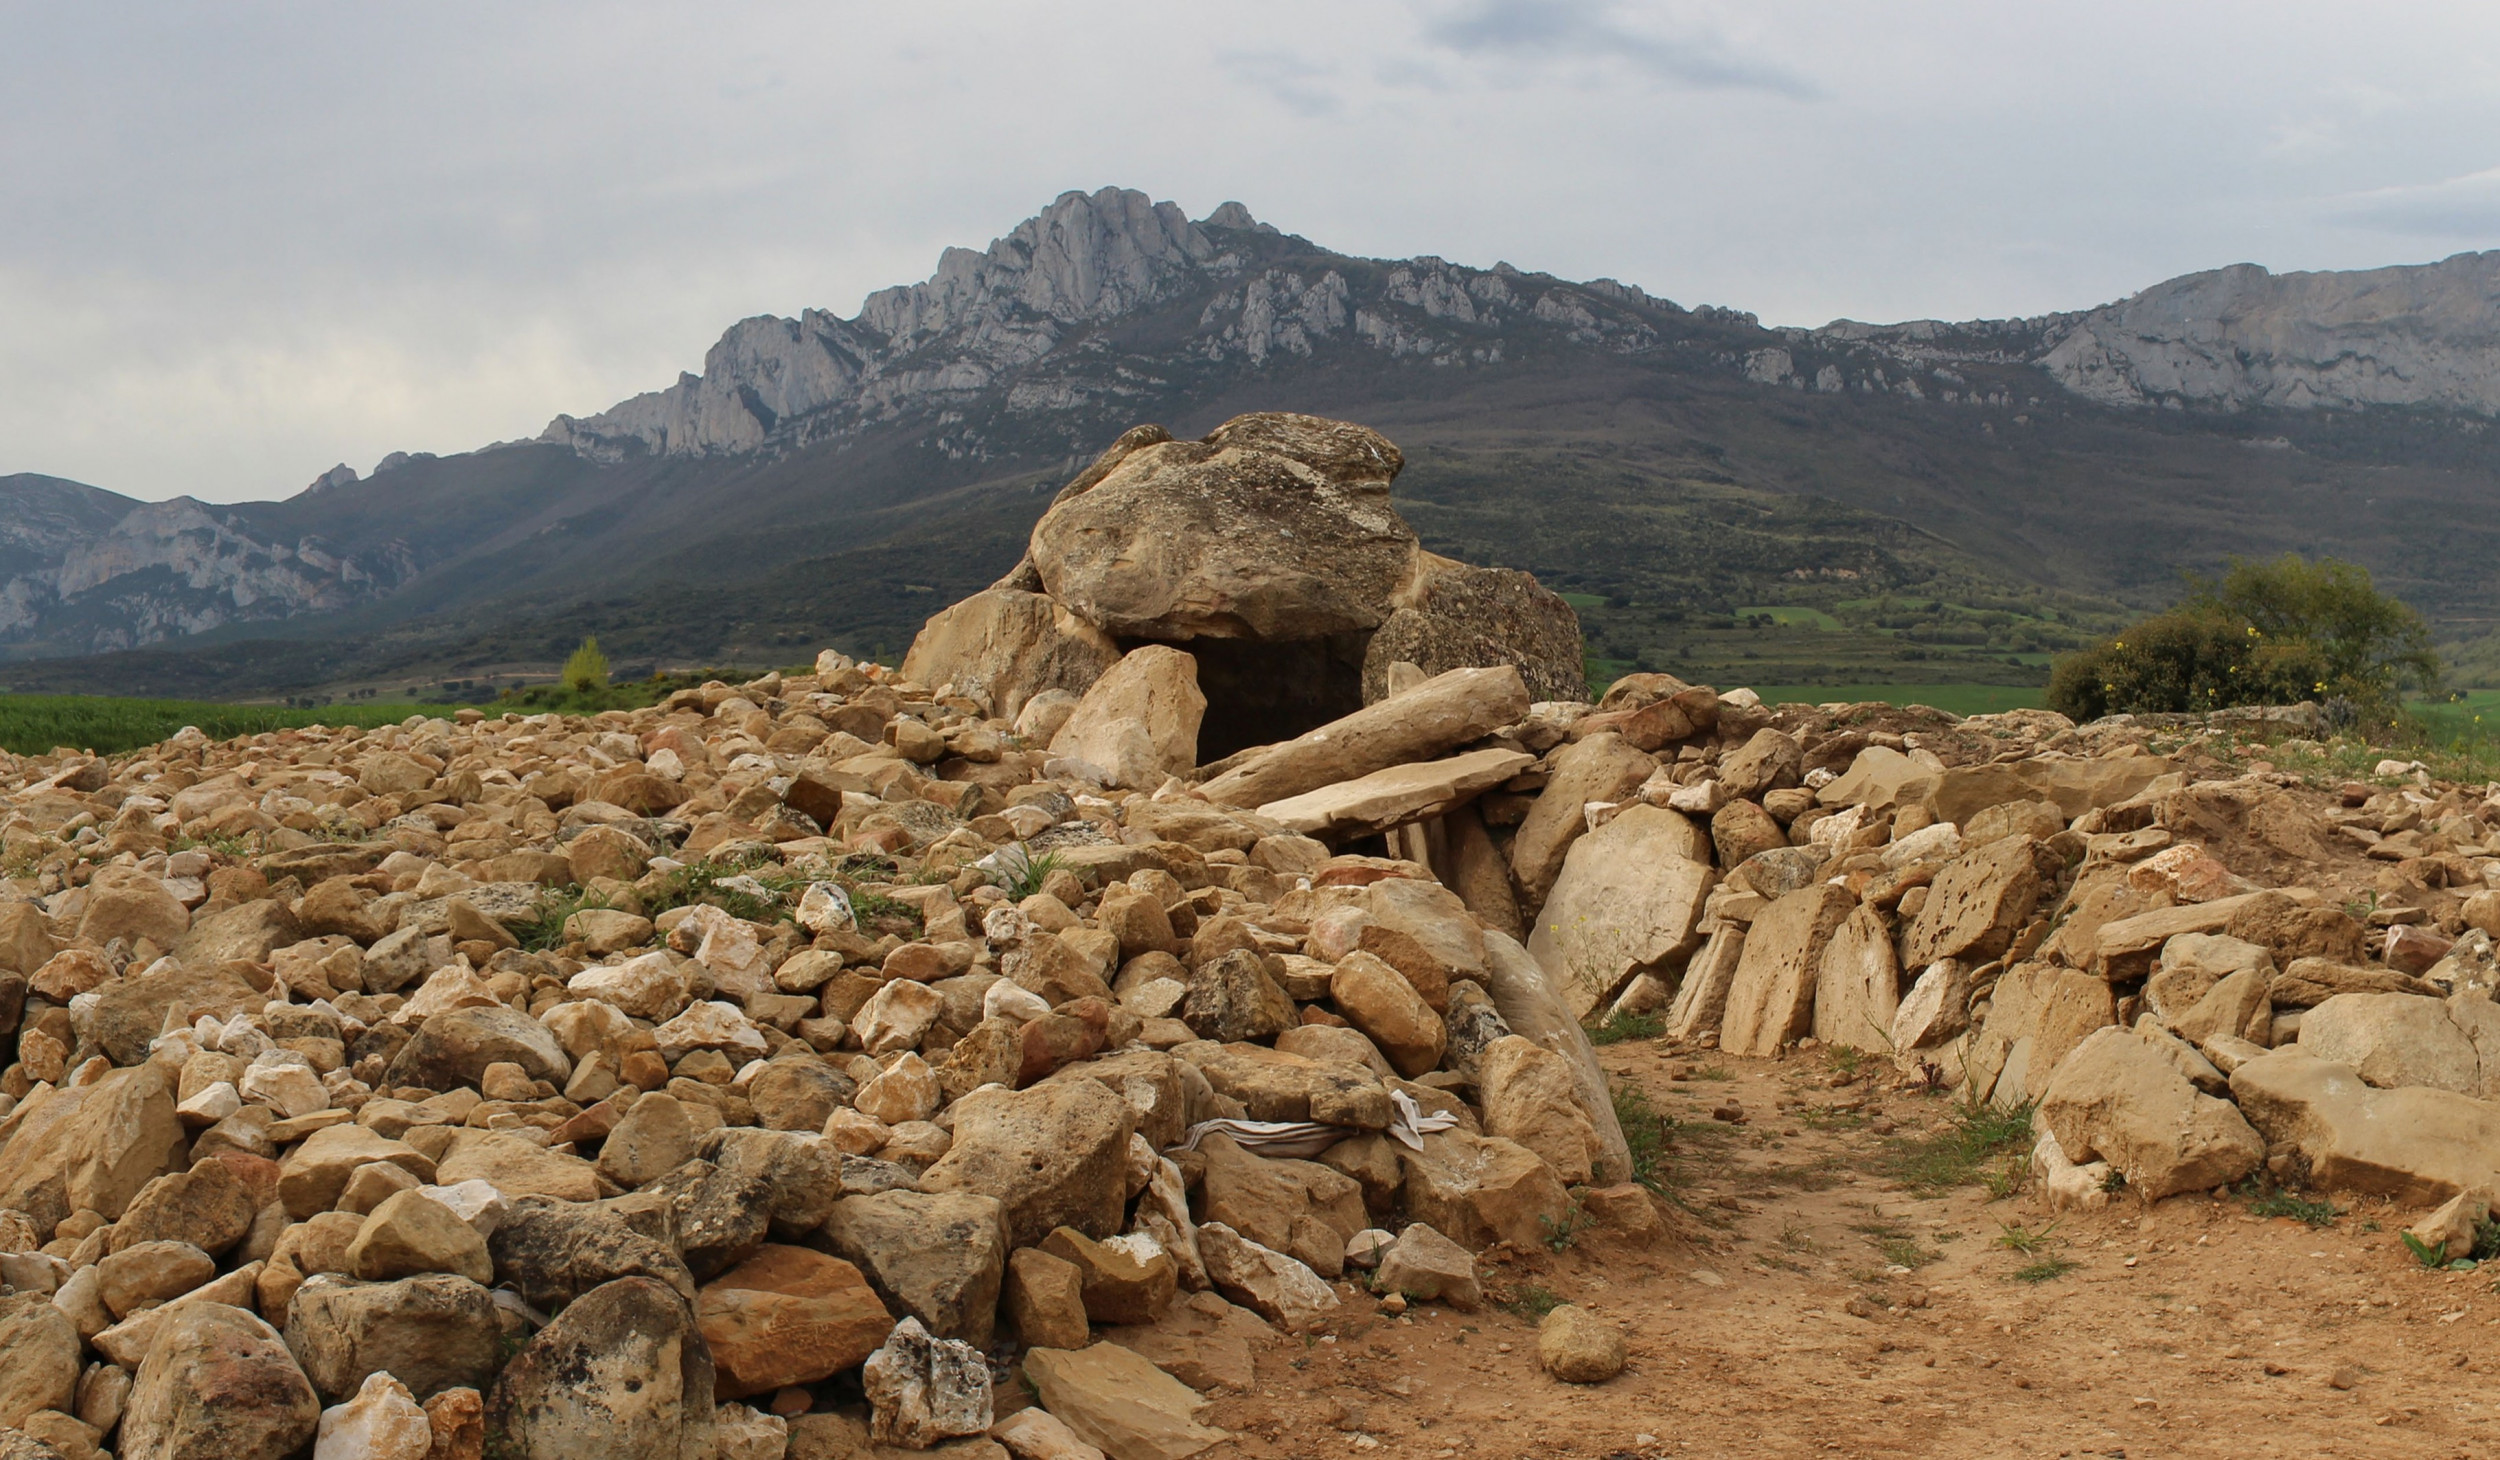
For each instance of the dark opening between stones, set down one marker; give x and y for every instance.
(1260, 693)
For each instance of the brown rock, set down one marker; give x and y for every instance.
(1378, 1000)
(1118, 1286)
(1119, 1403)
(1045, 1298)
(1054, 1155)
(1427, 722)
(1770, 1002)
(1975, 905)
(788, 1316)
(1601, 768)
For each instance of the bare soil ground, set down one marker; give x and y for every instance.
(1814, 1302)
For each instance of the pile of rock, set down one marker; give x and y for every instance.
(661, 1078)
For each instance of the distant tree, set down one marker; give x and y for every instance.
(586, 673)
(2266, 633)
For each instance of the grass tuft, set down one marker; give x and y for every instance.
(2047, 1269)
(1979, 1145)
(1616, 1028)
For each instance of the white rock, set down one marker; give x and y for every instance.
(825, 907)
(710, 1025)
(647, 986)
(383, 1422)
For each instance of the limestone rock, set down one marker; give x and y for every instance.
(1628, 900)
(1450, 614)
(1139, 721)
(1857, 987)
(938, 1257)
(454, 1048)
(1528, 1096)
(90, 1147)
(410, 1234)
(2393, 1040)
(1119, 1282)
(1428, 1267)
(2415, 1145)
(1268, 1282)
(924, 1390)
(383, 1422)
(1379, 1000)
(555, 1251)
(1045, 1299)
(1300, 1208)
(432, 1333)
(1601, 768)
(1006, 646)
(1425, 723)
(788, 1316)
(1478, 1190)
(1120, 1403)
(1578, 1347)
(1053, 1156)
(1269, 529)
(1976, 905)
(1770, 1003)
(39, 1358)
(622, 1373)
(2117, 1098)
(1396, 796)
(217, 1384)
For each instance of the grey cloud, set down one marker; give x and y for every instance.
(1300, 86)
(1597, 29)
(2456, 207)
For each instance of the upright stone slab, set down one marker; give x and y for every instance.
(1771, 1002)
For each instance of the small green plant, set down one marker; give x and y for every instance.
(2047, 1269)
(586, 672)
(543, 930)
(1712, 1072)
(1794, 1238)
(2486, 1240)
(2114, 1182)
(1846, 1060)
(2014, 1237)
(1559, 1236)
(1646, 1133)
(218, 843)
(2280, 1203)
(1979, 1144)
(1615, 1028)
(2423, 1252)
(2359, 908)
(1021, 874)
(1531, 1302)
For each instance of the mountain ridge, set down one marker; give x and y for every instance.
(1585, 429)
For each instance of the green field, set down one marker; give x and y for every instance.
(1793, 617)
(36, 724)
(1957, 699)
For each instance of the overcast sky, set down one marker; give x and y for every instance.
(242, 241)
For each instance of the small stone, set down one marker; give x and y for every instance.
(383, 1422)
(458, 1418)
(924, 1390)
(1045, 1300)
(1577, 1347)
(1119, 1403)
(906, 1090)
(1425, 1265)
(148, 1273)
(1121, 1286)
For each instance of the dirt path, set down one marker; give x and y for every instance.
(1813, 1303)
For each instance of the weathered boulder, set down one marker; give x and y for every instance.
(1627, 901)
(923, 1390)
(1448, 615)
(1478, 1190)
(554, 1251)
(1528, 1096)
(1273, 527)
(788, 1316)
(91, 1147)
(432, 1333)
(1396, 796)
(1430, 1268)
(1857, 986)
(1004, 646)
(1770, 1002)
(454, 1048)
(382, 1422)
(2394, 1040)
(2414, 1145)
(1300, 1208)
(1231, 998)
(39, 1358)
(1975, 905)
(1139, 721)
(1534, 1008)
(1381, 1002)
(131, 1012)
(1274, 1084)
(1275, 1285)
(938, 1257)
(622, 1373)
(1124, 1280)
(1603, 767)
(2119, 1098)
(217, 1384)
(1054, 1155)
(1120, 1403)
(411, 1233)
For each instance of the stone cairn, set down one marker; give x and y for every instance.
(873, 1060)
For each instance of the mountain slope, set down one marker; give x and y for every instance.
(1924, 500)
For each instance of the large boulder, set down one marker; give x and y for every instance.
(788, 1316)
(2415, 1145)
(1628, 901)
(2123, 1100)
(939, 1257)
(553, 1251)
(1534, 1008)
(1857, 988)
(1273, 527)
(622, 1374)
(2394, 1040)
(217, 1384)
(1604, 767)
(1119, 1403)
(1139, 721)
(1005, 646)
(88, 1147)
(1976, 905)
(131, 1012)
(1771, 1001)
(39, 1351)
(431, 1333)
(1449, 615)
(1054, 1156)
(454, 1048)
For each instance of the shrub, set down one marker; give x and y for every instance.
(586, 672)
(2272, 633)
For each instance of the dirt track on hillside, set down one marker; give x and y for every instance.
(1775, 1321)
